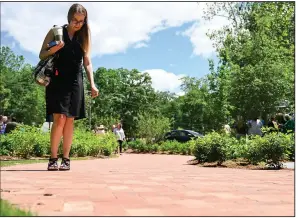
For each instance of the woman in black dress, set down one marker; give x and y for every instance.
(65, 93)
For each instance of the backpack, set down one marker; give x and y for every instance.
(44, 70)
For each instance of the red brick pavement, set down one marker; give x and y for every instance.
(148, 185)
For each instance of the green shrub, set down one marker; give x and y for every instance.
(136, 145)
(253, 149)
(234, 148)
(155, 148)
(291, 155)
(171, 147)
(26, 141)
(152, 128)
(7, 209)
(272, 149)
(108, 143)
(86, 143)
(212, 148)
(191, 147)
(5, 146)
(175, 147)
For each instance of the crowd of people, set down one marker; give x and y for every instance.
(280, 122)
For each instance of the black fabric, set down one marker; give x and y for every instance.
(10, 126)
(65, 93)
(120, 145)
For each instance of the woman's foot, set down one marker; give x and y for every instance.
(53, 165)
(65, 164)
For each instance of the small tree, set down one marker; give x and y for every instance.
(152, 128)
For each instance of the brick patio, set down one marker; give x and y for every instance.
(148, 185)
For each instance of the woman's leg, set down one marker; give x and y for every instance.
(120, 145)
(67, 136)
(56, 133)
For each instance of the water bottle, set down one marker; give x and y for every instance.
(58, 33)
(58, 36)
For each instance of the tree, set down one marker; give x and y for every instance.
(21, 97)
(257, 54)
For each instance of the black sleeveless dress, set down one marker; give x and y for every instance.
(65, 93)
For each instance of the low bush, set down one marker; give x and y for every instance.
(212, 148)
(174, 147)
(273, 148)
(136, 145)
(28, 141)
(7, 210)
(170, 147)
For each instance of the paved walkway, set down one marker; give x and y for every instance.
(148, 185)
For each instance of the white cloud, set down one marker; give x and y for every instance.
(180, 93)
(140, 45)
(202, 45)
(165, 81)
(115, 26)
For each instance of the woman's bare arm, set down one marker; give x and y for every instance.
(45, 52)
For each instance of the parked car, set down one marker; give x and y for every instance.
(182, 135)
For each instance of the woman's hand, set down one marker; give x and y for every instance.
(94, 91)
(56, 48)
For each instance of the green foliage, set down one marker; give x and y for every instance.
(136, 145)
(257, 55)
(109, 144)
(273, 148)
(212, 147)
(124, 94)
(152, 127)
(7, 209)
(170, 147)
(19, 95)
(27, 141)
(174, 147)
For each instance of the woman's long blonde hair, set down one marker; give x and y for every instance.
(84, 32)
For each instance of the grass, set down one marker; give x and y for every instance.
(9, 210)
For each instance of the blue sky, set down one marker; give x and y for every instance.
(165, 51)
(168, 45)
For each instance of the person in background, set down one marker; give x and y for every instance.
(240, 127)
(272, 124)
(1, 124)
(113, 128)
(255, 127)
(227, 129)
(100, 130)
(281, 120)
(11, 125)
(119, 132)
(4, 120)
(289, 126)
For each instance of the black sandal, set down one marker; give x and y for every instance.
(65, 164)
(53, 165)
